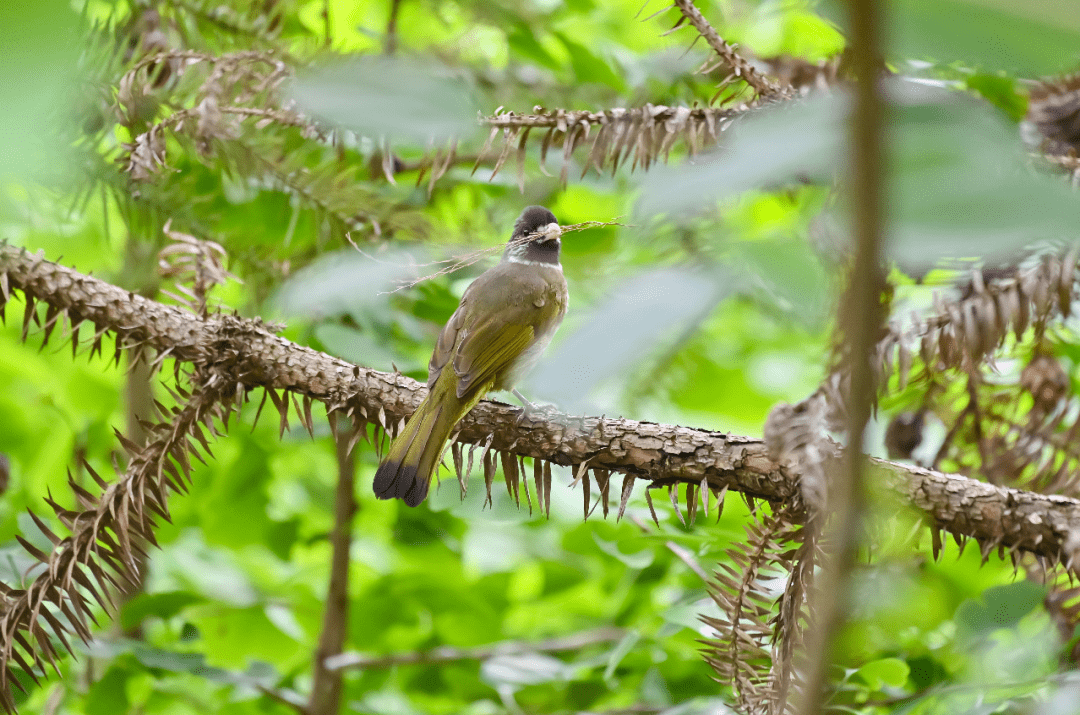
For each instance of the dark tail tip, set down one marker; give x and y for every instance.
(394, 480)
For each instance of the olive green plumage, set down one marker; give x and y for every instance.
(505, 320)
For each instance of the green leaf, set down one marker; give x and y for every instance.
(38, 49)
(801, 140)
(345, 281)
(1002, 92)
(1024, 38)
(999, 607)
(280, 537)
(527, 669)
(358, 347)
(877, 674)
(635, 561)
(235, 635)
(620, 651)
(639, 316)
(378, 96)
(108, 696)
(163, 605)
(960, 185)
(524, 43)
(958, 182)
(589, 67)
(168, 660)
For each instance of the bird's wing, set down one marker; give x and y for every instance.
(487, 350)
(444, 347)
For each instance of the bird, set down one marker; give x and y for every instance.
(504, 322)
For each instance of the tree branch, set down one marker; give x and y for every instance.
(859, 317)
(577, 641)
(107, 534)
(390, 46)
(326, 684)
(665, 455)
(639, 135)
(763, 85)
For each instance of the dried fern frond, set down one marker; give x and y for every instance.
(1009, 441)
(227, 90)
(1054, 109)
(103, 547)
(741, 653)
(797, 436)
(195, 261)
(950, 355)
(640, 136)
(792, 612)
(961, 332)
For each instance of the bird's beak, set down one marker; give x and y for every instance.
(551, 232)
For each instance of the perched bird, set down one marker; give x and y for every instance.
(505, 320)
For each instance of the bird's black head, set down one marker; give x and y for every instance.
(533, 220)
(543, 244)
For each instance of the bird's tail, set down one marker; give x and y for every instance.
(406, 471)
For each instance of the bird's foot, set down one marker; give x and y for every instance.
(531, 410)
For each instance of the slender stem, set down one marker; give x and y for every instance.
(326, 20)
(860, 318)
(326, 683)
(576, 641)
(139, 381)
(391, 27)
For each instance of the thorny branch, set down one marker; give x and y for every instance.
(765, 86)
(666, 455)
(638, 135)
(104, 543)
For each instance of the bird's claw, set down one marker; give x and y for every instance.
(535, 413)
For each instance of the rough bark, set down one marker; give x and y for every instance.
(664, 455)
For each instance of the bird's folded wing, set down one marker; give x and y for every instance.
(487, 351)
(444, 348)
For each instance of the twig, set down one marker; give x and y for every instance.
(447, 654)
(764, 86)
(55, 699)
(683, 554)
(326, 684)
(287, 698)
(391, 27)
(860, 316)
(456, 264)
(326, 20)
(688, 559)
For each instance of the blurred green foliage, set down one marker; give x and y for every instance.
(233, 600)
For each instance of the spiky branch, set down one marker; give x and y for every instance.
(766, 87)
(104, 541)
(666, 455)
(639, 136)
